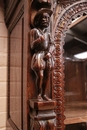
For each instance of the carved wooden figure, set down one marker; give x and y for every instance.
(42, 115)
(43, 47)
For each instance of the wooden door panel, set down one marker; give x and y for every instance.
(16, 75)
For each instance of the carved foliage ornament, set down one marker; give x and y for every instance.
(61, 26)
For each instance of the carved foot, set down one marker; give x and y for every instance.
(46, 98)
(40, 98)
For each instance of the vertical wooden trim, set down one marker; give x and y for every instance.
(22, 73)
(10, 8)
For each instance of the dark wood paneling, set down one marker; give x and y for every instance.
(79, 126)
(73, 81)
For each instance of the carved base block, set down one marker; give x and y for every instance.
(42, 115)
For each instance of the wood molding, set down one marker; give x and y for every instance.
(10, 6)
(20, 13)
(64, 19)
(12, 124)
(66, 3)
(77, 21)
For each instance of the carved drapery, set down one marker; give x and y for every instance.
(63, 21)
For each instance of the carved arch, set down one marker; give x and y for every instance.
(61, 26)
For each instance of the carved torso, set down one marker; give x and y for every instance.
(42, 44)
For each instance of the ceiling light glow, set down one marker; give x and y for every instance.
(82, 55)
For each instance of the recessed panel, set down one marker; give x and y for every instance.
(16, 75)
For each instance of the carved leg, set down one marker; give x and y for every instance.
(45, 84)
(39, 82)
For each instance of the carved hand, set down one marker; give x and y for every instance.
(47, 56)
(40, 39)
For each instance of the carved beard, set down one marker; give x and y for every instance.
(44, 24)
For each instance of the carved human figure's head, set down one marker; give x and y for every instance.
(42, 18)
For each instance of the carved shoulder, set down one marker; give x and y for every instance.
(35, 38)
(34, 32)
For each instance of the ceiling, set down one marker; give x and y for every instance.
(76, 37)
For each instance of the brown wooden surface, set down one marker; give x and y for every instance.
(62, 20)
(16, 75)
(74, 81)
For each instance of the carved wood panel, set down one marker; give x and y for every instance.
(64, 19)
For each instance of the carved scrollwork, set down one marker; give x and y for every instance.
(71, 11)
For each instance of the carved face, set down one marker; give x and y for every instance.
(44, 20)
